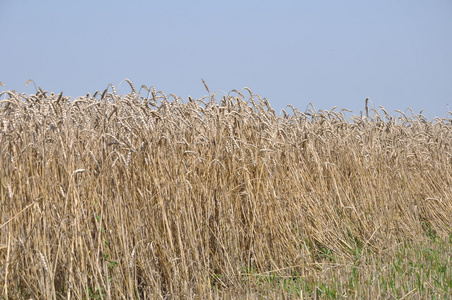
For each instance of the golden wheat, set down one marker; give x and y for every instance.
(136, 196)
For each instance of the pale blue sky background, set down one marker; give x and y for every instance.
(330, 53)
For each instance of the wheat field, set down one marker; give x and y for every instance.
(149, 196)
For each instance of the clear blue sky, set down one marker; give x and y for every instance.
(328, 52)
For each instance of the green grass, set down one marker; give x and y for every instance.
(414, 271)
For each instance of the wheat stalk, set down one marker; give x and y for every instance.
(218, 189)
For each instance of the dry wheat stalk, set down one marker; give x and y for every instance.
(217, 186)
